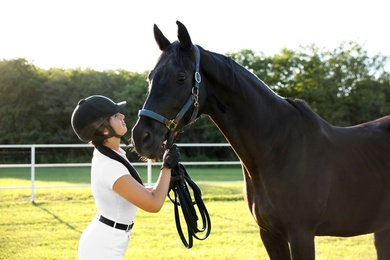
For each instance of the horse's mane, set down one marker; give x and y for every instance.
(233, 74)
(303, 108)
(309, 117)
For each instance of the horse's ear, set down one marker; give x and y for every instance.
(161, 40)
(183, 36)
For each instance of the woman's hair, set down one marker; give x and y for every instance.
(99, 137)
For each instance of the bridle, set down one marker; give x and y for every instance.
(172, 124)
(181, 182)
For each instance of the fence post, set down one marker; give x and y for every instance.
(149, 171)
(32, 172)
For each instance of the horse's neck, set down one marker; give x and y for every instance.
(248, 119)
(242, 107)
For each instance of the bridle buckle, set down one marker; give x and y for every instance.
(172, 124)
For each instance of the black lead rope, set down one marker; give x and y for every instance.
(181, 184)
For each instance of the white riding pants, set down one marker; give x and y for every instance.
(100, 241)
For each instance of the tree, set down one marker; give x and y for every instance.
(344, 86)
(21, 87)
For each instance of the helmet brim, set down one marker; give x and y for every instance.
(120, 106)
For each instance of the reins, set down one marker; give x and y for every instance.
(182, 186)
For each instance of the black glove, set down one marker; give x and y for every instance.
(171, 157)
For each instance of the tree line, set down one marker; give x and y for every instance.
(345, 86)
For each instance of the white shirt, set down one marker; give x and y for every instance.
(104, 173)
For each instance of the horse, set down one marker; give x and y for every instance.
(303, 177)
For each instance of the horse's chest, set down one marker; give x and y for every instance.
(265, 216)
(283, 203)
(261, 206)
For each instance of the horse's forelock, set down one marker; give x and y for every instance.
(176, 56)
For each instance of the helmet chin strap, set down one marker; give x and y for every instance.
(112, 133)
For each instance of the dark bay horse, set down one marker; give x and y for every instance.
(303, 176)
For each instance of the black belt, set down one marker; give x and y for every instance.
(115, 224)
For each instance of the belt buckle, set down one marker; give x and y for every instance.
(128, 228)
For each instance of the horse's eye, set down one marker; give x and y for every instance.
(181, 78)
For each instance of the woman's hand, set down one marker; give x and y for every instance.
(171, 157)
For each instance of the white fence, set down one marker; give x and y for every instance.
(32, 165)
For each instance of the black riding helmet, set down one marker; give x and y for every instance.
(92, 112)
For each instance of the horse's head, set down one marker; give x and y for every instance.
(173, 99)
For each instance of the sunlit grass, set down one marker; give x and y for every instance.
(51, 227)
(65, 176)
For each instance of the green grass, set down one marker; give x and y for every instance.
(81, 175)
(50, 227)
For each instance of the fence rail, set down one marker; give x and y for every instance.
(33, 165)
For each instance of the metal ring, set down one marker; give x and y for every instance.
(198, 78)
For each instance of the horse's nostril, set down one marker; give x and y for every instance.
(146, 137)
(141, 137)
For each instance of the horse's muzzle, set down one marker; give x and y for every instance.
(148, 138)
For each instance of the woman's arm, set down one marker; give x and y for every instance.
(150, 199)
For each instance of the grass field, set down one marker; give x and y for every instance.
(50, 227)
(81, 175)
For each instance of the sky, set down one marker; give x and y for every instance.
(118, 34)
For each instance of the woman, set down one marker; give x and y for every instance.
(116, 186)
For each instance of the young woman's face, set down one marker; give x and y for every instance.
(117, 122)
